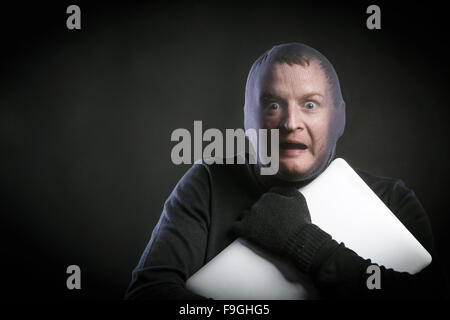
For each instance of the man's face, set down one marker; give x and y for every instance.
(298, 101)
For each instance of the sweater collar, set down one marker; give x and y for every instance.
(265, 182)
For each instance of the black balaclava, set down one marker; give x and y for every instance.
(293, 53)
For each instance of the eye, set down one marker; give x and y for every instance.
(310, 105)
(274, 106)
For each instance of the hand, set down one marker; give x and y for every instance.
(274, 218)
(280, 222)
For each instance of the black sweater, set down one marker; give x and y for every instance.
(196, 224)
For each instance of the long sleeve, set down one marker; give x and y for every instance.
(178, 242)
(339, 272)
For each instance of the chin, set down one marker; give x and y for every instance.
(294, 171)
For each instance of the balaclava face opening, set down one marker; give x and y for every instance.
(294, 53)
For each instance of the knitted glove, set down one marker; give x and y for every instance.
(280, 222)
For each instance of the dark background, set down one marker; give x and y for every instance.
(86, 117)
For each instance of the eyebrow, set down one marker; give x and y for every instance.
(312, 94)
(268, 96)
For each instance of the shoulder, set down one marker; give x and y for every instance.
(228, 172)
(195, 178)
(384, 187)
(225, 175)
(392, 191)
(403, 202)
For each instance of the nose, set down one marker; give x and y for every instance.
(292, 119)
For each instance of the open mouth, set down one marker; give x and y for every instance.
(292, 146)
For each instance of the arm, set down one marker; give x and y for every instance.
(178, 242)
(341, 272)
(280, 222)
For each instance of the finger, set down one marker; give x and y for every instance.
(285, 191)
(300, 195)
(238, 228)
(244, 214)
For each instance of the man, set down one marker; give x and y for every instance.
(295, 89)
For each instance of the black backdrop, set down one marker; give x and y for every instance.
(86, 117)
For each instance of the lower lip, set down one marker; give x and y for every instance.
(293, 151)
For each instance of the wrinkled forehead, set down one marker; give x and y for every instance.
(283, 78)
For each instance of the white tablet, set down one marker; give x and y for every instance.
(340, 203)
